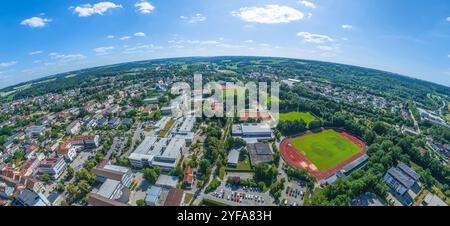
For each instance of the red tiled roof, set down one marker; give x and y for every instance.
(174, 198)
(188, 175)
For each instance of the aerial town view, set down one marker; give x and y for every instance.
(136, 103)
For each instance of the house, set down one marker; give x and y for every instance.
(34, 131)
(260, 153)
(29, 198)
(174, 198)
(114, 123)
(102, 123)
(127, 122)
(54, 167)
(68, 150)
(233, 157)
(74, 128)
(6, 191)
(152, 195)
(87, 142)
(188, 177)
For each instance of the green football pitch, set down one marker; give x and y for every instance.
(292, 116)
(325, 149)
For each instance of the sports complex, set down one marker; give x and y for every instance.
(322, 153)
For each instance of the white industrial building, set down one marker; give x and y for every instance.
(164, 151)
(252, 131)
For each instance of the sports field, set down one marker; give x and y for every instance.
(292, 116)
(325, 149)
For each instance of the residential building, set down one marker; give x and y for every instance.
(188, 177)
(87, 142)
(54, 167)
(68, 150)
(74, 128)
(6, 191)
(34, 131)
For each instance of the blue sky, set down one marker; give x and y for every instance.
(41, 38)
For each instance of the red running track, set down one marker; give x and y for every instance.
(297, 160)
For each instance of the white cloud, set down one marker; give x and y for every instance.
(142, 48)
(248, 41)
(110, 36)
(327, 48)
(139, 34)
(144, 7)
(194, 19)
(448, 19)
(36, 22)
(347, 27)
(103, 50)
(125, 38)
(66, 58)
(308, 4)
(8, 64)
(35, 52)
(448, 55)
(314, 38)
(269, 14)
(98, 8)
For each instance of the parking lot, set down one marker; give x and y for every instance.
(241, 196)
(294, 193)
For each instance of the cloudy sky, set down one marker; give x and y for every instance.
(40, 38)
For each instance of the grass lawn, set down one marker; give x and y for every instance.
(222, 172)
(326, 149)
(164, 131)
(188, 198)
(292, 116)
(243, 166)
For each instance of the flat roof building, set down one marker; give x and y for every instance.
(152, 195)
(167, 181)
(401, 178)
(260, 153)
(259, 131)
(233, 157)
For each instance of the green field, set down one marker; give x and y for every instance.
(326, 149)
(292, 116)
